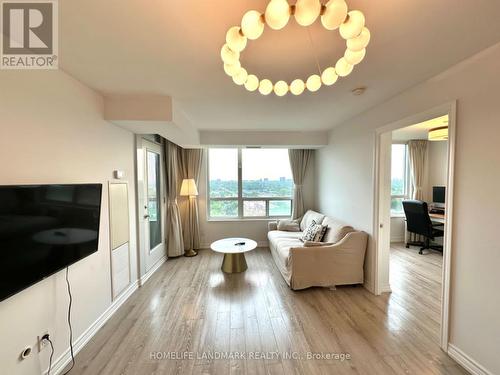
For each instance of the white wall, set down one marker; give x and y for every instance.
(52, 131)
(397, 229)
(292, 139)
(346, 186)
(211, 231)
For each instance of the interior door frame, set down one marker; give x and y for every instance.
(382, 284)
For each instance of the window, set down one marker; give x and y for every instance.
(249, 183)
(399, 178)
(154, 198)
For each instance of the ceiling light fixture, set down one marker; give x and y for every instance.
(438, 134)
(334, 15)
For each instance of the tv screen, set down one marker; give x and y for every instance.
(43, 229)
(438, 194)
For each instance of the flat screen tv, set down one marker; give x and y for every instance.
(43, 229)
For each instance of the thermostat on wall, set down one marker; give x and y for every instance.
(119, 174)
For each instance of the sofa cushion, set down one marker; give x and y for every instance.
(287, 243)
(336, 230)
(275, 234)
(308, 217)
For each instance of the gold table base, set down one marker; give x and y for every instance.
(234, 263)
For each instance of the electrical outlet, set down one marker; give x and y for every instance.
(42, 342)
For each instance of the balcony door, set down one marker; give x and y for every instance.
(151, 204)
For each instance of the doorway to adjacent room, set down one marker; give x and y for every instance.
(413, 211)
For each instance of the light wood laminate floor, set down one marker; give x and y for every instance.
(189, 306)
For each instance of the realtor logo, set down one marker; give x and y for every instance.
(29, 34)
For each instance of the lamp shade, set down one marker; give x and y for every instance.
(438, 134)
(188, 187)
(306, 11)
(297, 87)
(252, 83)
(252, 25)
(329, 76)
(265, 87)
(334, 15)
(277, 14)
(353, 25)
(229, 56)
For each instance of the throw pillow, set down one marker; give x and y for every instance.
(321, 234)
(289, 225)
(312, 232)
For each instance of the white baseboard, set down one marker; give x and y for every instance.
(65, 358)
(205, 246)
(467, 362)
(369, 286)
(153, 269)
(385, 289)
(397, 239)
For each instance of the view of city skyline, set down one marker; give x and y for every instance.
(257, 164)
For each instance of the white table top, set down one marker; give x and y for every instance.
(227, 245)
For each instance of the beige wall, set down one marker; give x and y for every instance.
(438, 166)
(211, 231)
(346, 185)
(52, 131)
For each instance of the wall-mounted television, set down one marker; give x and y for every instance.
(43, 229)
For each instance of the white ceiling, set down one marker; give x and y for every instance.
(172, 48)
(419, 131)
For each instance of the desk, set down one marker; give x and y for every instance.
(438, 218)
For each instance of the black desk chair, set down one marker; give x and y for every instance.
(419, 222)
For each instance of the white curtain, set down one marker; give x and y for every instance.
(190, 162)
(417, 151)
(174, 240)
(299, 159)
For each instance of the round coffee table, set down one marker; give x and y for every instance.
(234, 253)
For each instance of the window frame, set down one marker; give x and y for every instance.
(240, 199)
(407, 182)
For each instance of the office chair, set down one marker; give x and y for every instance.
(419, 222)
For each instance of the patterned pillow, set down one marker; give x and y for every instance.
(314, 232)
(321, 234)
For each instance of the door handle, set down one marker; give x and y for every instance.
(146, 216)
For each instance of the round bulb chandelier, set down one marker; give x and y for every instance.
(334, 15)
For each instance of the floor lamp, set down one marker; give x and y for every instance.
(188, 189)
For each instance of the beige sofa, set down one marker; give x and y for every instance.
(337, 261)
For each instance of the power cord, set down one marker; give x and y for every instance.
(47, 337)
(69, 324)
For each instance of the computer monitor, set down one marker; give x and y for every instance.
(438, 194)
